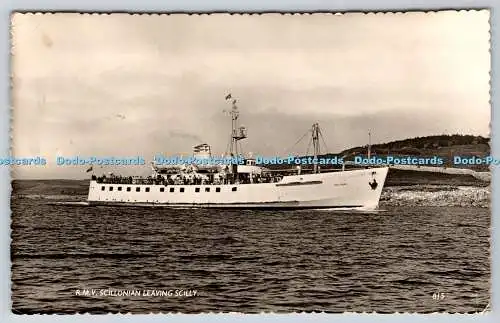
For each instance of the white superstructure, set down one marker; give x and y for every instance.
(353, 189)
(247, 185)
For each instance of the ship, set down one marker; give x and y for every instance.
(242, 183)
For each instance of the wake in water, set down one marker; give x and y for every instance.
(347, 211)
(332, 210)
(70, 203)
(50, 197)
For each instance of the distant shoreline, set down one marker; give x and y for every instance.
(397, 177)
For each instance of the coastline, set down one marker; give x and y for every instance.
(436, 195)
(412, 188)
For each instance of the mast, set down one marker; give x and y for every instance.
(237, 132)
(234, 128)
(315, 140)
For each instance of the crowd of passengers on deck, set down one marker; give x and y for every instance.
(178, 179)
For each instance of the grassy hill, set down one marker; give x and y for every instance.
(423, 146)
(444, 146)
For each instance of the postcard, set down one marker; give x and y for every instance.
(249, 163)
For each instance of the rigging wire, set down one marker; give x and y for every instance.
(240, 151)
(309, 146)
(229, 144)
(323, 139)
(300, 139)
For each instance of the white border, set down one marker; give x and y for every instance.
(7, 6)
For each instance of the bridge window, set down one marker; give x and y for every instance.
(172, 189)
(162, 189)
(233, 189)
(197, 190)
(182, 189)
(207, 189)
(103, 188)
(147, 189)
(137, 189)
(128, 189)
(217, 189)
(119, 188)
(111, 188)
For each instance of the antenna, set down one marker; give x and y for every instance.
(315, 140)
(369, 143)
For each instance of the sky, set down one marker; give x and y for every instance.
(128, 85)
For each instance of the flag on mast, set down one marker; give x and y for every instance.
(229, 96)
(90, 169)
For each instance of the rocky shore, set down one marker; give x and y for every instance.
(436, 195)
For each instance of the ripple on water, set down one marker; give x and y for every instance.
(249, 261)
